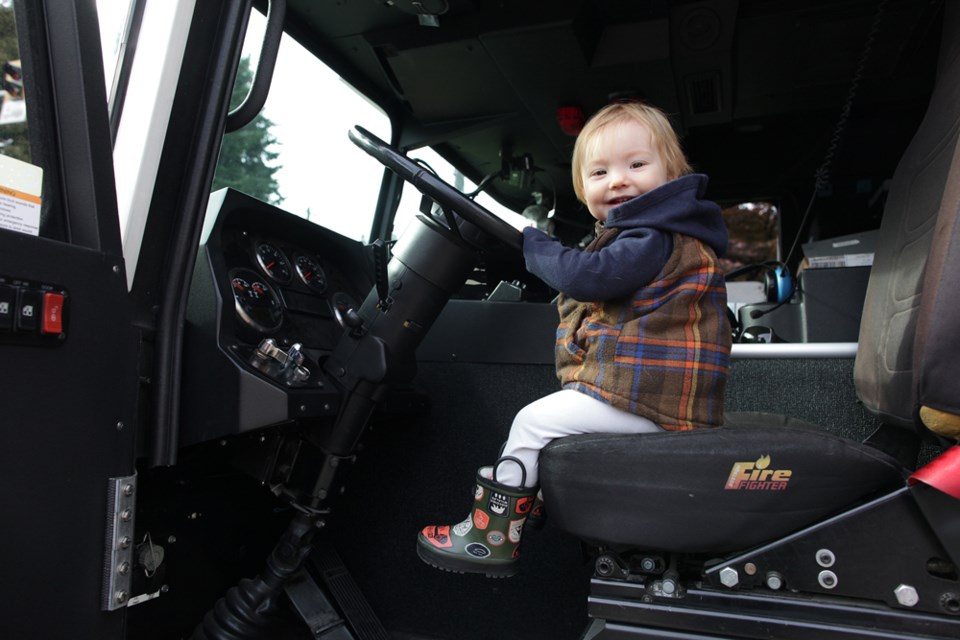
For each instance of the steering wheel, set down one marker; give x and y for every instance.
(433, 187)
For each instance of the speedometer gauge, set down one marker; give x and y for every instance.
(273, 262)
(311, 273)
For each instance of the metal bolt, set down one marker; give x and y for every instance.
(120, 596)
(125, 542)
(750, 569)
(172, 539)
(729, 577)
(825, 558)
(774, 580)
(648, 564)
(907, 595)
(128, 490)
(120, 425)
(669, 586)
(126, 515)
(827, 579)
(123, 568)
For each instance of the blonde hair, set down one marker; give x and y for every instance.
(664, 138)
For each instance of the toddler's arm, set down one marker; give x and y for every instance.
(617, 270)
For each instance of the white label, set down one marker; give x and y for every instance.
(20, 187)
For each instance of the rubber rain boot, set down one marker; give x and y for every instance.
(488, 540)
(538, 515)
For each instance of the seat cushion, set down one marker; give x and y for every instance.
(751, 481)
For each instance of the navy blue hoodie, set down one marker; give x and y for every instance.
(640, 251)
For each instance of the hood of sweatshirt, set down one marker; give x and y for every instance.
(675, 207)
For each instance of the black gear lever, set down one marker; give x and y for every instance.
(381, 275)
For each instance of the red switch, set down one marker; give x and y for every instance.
(52, 313)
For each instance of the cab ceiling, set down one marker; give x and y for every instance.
(489, 78)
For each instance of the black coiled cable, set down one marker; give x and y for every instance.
(822, 174)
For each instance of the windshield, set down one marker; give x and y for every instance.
(296, 153)
(410, 200)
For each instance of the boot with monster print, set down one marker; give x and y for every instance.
(488, 541)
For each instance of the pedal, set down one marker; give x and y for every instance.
(345, 591)
(315, 609)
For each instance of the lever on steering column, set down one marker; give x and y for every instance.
(380, 260)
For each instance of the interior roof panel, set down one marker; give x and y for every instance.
(492, 74)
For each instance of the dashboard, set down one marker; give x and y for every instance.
(286, 289)
(271, 295)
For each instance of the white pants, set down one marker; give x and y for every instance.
(564, 413)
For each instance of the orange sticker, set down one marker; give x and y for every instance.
(481, 519)
(438, 536)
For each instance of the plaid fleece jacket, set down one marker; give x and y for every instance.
(653, 338)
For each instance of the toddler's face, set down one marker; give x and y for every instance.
(621, 163)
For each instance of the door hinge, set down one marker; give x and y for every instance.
(118, 559)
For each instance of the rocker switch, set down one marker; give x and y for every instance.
(8, 303)
(52, 322)
(28, 310)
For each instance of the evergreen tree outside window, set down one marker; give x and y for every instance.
(247, 162)
(296, 153)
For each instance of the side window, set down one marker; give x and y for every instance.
(25, 206)
(115, 31)
(296, 153)
(754, 229)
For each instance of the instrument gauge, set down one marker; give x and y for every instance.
(255, 301)
(311, 273)
(273, 262)
(241, 287)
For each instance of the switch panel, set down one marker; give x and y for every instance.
(32, 313)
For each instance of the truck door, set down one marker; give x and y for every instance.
(68, 351)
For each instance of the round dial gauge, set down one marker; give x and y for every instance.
(311, 273)
(255, 301)
(273, 262)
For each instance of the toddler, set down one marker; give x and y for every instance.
(643, 342)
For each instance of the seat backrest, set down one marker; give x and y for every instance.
(937, 344)
(909, 295)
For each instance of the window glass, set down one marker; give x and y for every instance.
(14, 141)
(114, 17)
(22, 205)
(296, 153)
(410, 200)
(754, 229)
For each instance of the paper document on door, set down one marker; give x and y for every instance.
(20, 188)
